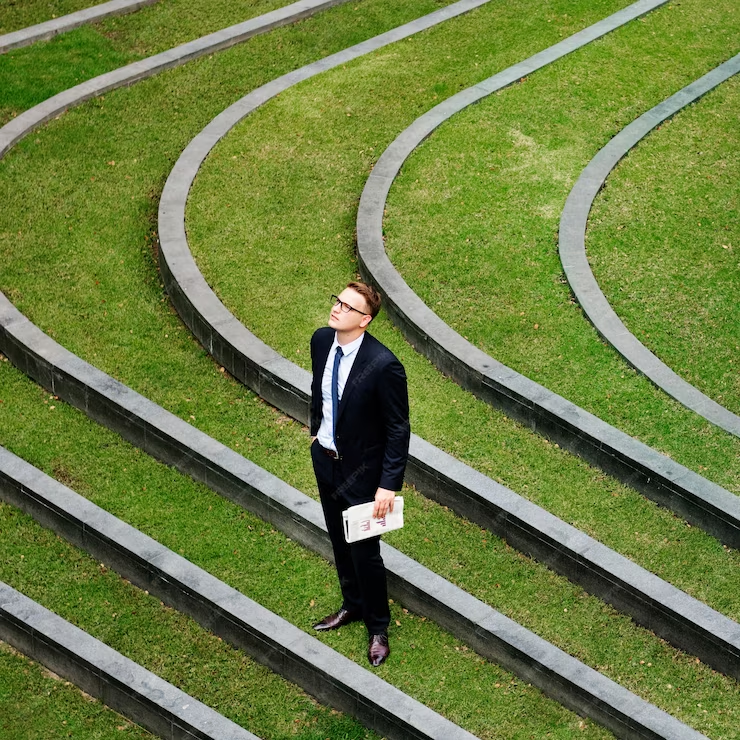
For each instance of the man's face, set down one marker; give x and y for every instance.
(352, 320)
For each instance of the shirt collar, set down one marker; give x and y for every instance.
(347, 349)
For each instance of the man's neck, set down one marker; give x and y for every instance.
(344, 337)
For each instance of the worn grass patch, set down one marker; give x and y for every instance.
(664, 243)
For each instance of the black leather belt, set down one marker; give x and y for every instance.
(330, 453)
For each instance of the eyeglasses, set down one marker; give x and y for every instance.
(346, 308)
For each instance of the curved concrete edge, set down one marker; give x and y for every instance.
(277, 380)
(104, 673)
(175, 442)
(683, 621)
(572, 246)
(689, 495)
(649, 600)
(271, 640)
(49, 29)
(29, 120)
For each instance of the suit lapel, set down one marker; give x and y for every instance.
(364, 356)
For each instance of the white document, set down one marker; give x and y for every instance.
(359, 523)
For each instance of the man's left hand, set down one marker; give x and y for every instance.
(383, 502)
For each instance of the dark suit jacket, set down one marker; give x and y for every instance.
(372, 428)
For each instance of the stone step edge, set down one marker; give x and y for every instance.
(22, 125)
(268, 638)
(652, 602)
(48, 29)
(172, 440)
(572, 249)
(104, 673)
(702, 503)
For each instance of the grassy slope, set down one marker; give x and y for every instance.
(32, 74)
(474, 229)
(18, 14)
(116, 315)
(252, 557)
(36, 704)
(171, 645)
(664, 239)
(124, 309)
(293, 171)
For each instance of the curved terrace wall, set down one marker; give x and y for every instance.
(287, 386)
(164, 435)
(572, 246)
(174, 441)
(104, 673)
(49, 29)
(67, 375)
(687, 494)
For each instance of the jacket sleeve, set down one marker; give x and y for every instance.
(394, 400)
(315, 407)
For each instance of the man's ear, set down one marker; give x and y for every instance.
(366, 319)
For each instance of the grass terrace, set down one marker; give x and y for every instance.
(473, 229)
(264, 565)
(293, 173)
(30, 75)
(18, 14)
(664, 238)
(37, 703)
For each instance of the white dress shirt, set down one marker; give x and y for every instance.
(349, 355)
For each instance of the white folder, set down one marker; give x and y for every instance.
(359, 523)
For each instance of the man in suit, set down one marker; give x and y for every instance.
(360, 429)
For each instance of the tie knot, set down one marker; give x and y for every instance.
(339, 352)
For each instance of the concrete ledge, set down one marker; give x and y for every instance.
(49, 29)
(651, 601)
(175, 442)
(107, 675)
(31, 119)
(672, 614)
(271, 640)
(572, 246)
(555, 672)
(702, 503)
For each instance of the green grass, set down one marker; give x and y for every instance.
(91, 281)
(30, 75)
(219, 403)
(249, 555)
(474, 229)
(161, 639)
(664, 239)
(293, 171)
(36, 703)
(18, 14)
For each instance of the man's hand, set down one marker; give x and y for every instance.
(383, 502)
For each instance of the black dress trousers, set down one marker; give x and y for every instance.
(359, 565)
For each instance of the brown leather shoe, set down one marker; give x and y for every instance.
(336, 620)
(378, 650)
